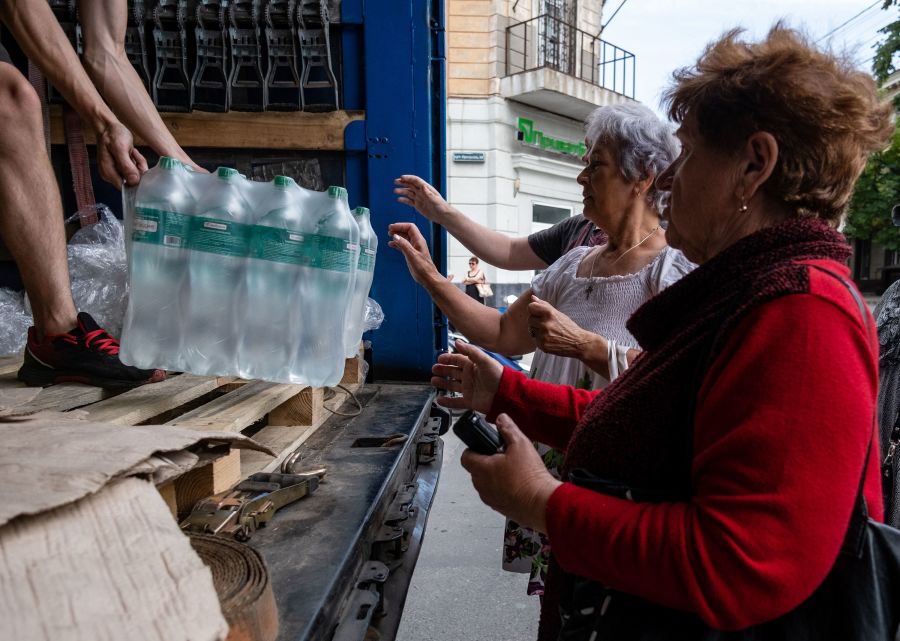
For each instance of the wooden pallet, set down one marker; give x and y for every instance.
(278, 416)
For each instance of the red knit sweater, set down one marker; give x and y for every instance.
(779, 440)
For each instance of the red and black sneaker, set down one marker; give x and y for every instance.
(87, 354)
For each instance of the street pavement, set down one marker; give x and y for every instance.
(458, 589)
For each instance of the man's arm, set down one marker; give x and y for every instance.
(36, 30)
(104, 23)
(489, 245)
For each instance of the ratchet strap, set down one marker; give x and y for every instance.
(78, 159)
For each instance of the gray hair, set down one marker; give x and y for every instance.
(645, 144)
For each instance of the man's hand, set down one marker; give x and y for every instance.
(516, 482)
(408, 239)
(117, 159)
(472, 373)
(557, 334)
(415, 192)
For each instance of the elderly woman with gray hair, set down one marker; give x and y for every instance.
(575, 311)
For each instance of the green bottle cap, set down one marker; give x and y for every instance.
(361, 211)
(283, 181)
(226, 172)
(167, 162)
(337, 192)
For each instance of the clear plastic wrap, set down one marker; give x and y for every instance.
(14, 321)
(230, 276)
(97, 273)
(97, 268)
(374, 315)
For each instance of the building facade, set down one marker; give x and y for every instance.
(522, 77)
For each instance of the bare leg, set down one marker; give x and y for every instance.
(31, 220)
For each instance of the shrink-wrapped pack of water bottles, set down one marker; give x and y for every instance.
(230, 276)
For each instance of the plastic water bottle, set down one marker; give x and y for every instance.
(276, 255)
(219, 242)
(326, 280)
(365, 273)
(163, 207)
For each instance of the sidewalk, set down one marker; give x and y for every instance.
(458, 590)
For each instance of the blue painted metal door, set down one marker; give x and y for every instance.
(394, 69)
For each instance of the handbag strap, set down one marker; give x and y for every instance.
(853, 541)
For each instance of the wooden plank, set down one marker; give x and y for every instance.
(284, 439)
(238, 409)
(147, 401)
(243, 130)
(201, 482)
(352, 371)
(64, 397)
(167, 492)
(304, 408)
(10, 364)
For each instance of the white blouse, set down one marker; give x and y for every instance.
(610, 303)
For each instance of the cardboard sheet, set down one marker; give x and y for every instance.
(48, 460)
(113, 565)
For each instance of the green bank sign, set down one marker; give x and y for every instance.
(531, 136)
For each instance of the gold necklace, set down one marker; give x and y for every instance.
(590, 287)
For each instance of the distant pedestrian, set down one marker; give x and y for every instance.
(474, 277)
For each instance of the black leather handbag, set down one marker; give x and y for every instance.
(859, 600)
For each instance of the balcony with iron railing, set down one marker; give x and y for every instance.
(553, 65)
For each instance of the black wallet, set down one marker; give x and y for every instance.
(477, 433)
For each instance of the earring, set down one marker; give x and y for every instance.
(743, 208)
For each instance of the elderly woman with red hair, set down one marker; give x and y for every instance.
(710, 487)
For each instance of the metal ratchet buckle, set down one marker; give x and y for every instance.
(238, 513)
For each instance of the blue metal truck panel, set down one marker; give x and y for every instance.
(395, 69)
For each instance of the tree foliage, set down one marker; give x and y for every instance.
(877, 191)
(886, 50)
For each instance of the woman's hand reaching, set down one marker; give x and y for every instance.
(515, 482)
(415, 192)
(408, 239)
(471, 372)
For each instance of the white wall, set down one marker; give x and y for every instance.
(487, 191)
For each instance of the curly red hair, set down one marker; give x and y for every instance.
(826, 115)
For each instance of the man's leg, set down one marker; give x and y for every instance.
(63, 345)
(30, 209)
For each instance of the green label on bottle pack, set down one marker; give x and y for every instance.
(159, 227)
(307, 250)
(326, 252)
(215, 236)
(277, 245)
(366, 260)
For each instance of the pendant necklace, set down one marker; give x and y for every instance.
(590, 287)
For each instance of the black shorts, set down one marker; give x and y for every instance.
(4, 55)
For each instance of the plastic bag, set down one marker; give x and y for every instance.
(98, 272)
(374, 315)
(14, 321)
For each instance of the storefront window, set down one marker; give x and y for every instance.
(544, 216)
